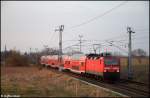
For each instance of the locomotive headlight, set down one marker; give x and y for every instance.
(105, 70)
(117, 70)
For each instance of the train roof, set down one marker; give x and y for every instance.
(77, 56)
(80, 56)
(99, 55)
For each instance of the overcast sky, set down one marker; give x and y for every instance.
(32, 24)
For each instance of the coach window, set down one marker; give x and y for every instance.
(68, 62)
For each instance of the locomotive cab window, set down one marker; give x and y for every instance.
(97, 57)
(93, 58)
(111, 62)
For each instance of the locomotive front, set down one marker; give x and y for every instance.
(111, 68)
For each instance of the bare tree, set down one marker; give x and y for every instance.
(139, 52)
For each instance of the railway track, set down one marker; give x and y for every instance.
(137, 92)
(124, 87)
(133, 82)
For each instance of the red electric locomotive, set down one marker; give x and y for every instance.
(106, 66)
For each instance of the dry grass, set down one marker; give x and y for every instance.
(140, 69)
(30, 81)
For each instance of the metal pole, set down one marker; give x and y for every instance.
(60, 45)
(99, 48)
(5, 55)
(80, 42)
(94, 49)
(129, 58)
(61, 28)
(30, 57)
(36, 49)
(130, 73)
(60, 42)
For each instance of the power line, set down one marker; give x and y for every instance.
(99, 16)
(80, 36)
(68, 40)
(111, 44)
(142, 29)
(137, 43)
(71, 46)
(134, 37)
(99, 42)
(141, 41)
(53, 36)
(115, 37)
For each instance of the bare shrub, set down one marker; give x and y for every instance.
(15, 58)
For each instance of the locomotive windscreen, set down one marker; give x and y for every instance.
(92, 55)
(111, 61)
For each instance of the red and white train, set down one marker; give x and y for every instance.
(105, 66)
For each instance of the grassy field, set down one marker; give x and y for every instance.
(140, 66)
(32, 82)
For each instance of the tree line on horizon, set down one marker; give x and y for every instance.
(16, 58)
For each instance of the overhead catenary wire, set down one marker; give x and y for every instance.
(70, 46)
(113, 39)
(142, 36)
(53, 36)
(90, 44)
(99, 16)
(133, 38)
(117, 47)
